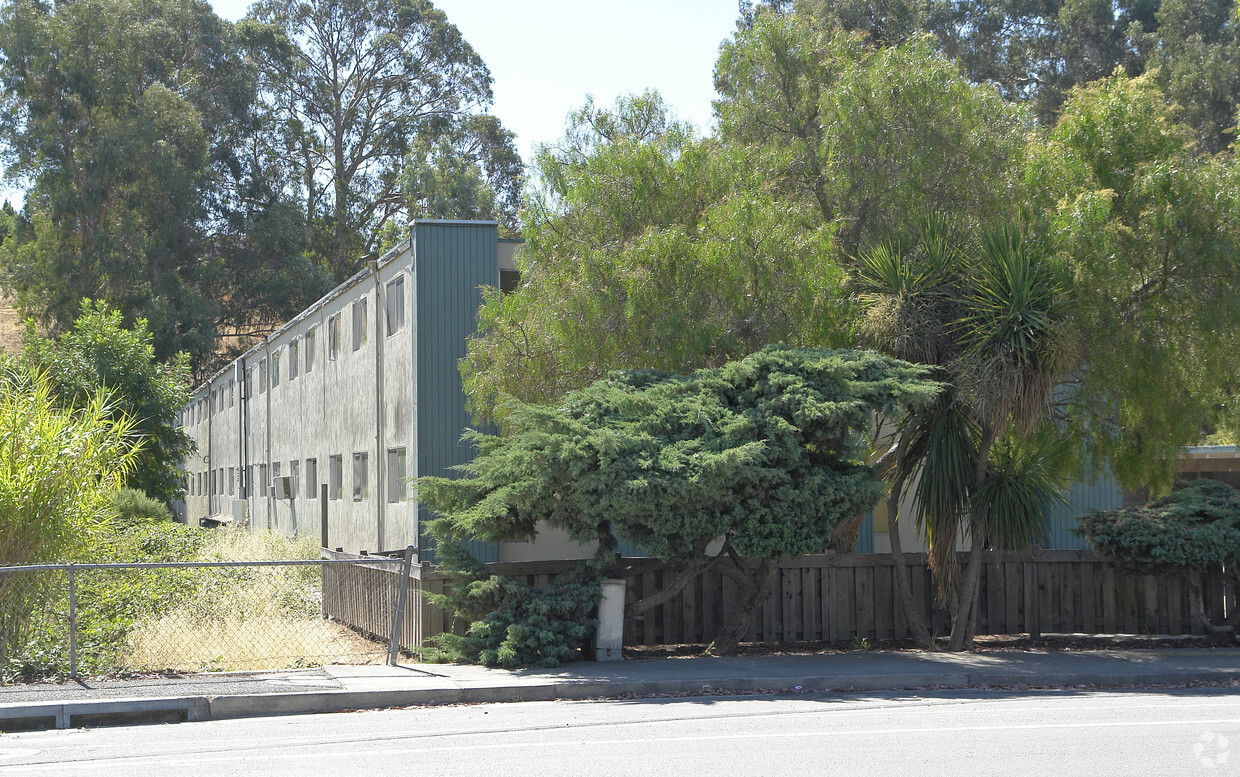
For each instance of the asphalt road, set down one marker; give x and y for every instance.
(1180, 732)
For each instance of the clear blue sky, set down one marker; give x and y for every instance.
(547, 55)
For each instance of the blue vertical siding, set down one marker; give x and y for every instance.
(865, 537)
(452, 261)
(1103, 494)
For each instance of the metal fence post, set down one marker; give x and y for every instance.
(73, 673)
(398, 617)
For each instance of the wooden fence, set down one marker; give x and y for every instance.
(834, 598)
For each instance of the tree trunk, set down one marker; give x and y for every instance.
(1199, 607)
(844, 538)
(966, 597)
(904, 590)
(740, 625)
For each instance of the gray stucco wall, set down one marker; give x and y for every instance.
(329, 405)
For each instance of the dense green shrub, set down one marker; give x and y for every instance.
(766, 454)
(1192, 532)
(513, 624)
(1195, 528)
(133, 507)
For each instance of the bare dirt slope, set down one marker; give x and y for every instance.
(11, 329)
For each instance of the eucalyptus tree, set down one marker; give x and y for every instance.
(124, 118)
(355, 85)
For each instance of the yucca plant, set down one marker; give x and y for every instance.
(993, 318)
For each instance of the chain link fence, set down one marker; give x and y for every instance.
(71, 620)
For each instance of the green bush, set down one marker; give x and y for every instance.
(513, 624)
(132, 507)
(1196, 528)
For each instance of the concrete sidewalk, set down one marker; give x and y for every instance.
(335, 688)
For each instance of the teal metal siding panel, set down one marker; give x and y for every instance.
(1083, 497)
(865, 537)
(452, 262)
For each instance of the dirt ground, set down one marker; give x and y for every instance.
(11, 329)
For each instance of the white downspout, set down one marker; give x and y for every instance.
(380, 336)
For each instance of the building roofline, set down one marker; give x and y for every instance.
(388, 256)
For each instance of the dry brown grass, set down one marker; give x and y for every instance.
(249, 617)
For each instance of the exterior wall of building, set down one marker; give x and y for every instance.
(359, 393)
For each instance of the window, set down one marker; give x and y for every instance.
(247, 487)
(213, 485)
(275, 368)
(312, 478)
(310, 333)
(262, 480)
(275, 470)
(335, 474)
(294, 355)
(359, 323)
(232, 391)
(361, 488)
(262, 375)
(333, 337)
(396, 475)
(249, 382)
(396, 305)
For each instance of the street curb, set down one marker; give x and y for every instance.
(41, 715)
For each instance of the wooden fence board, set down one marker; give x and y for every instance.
(834, 598)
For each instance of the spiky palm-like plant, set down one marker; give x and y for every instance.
(993, 318)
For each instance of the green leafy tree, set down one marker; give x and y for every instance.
(102, 360)
(1192, 532)
(1036, 53)
(130, 121)
(765, 454)
(875, 140)
(646, 247)
(1149, 229)
(355, 87)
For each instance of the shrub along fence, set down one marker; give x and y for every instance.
(835, 598)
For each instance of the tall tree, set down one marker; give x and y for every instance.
(646, 247)
(355, 85)
(1150, 228)
(128, 121)
(875, 140)
(1036, 52)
